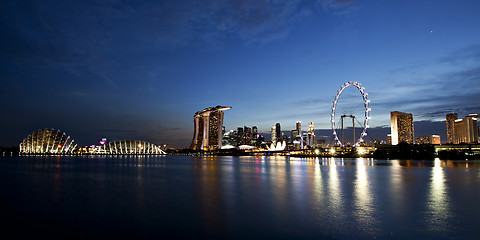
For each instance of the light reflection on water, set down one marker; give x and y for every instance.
(243, 197)
(363, 199)
(438, 209)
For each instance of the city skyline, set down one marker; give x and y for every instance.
(140, 70)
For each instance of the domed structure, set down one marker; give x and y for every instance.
(280, 146)
(47, 142)
(129, 147)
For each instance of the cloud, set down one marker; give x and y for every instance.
(67, 31)
(431, 90)
(471, 52)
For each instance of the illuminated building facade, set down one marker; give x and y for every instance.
(47, 142)
(466, 129)
(293, 135)
(311, 135)
(274, 134)
(208, 124)
(254, 136)
(432, 139)
(451, 117)
(247, 135)
(128, 147)
(401, 125)
(299, 128)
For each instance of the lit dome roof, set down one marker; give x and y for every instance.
(129, 147)
(47, 141)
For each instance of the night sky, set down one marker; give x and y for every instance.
(141, 69)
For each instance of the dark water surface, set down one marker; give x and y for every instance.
(176, 197)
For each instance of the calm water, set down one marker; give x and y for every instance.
(238, 197)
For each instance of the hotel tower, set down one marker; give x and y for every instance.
(401, 125)
(207, 130)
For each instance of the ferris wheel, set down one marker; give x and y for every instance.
(366, 114)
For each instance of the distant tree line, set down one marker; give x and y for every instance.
(421, 152)
(405, 151)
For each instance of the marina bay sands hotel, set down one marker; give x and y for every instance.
(208, 123)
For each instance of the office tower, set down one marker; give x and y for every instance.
(401, 125)
(389, 139)
(304, 140)
(274, 134)
(451, 117)
(466, 129)
(311, 135)
(278, 132)
(299, 129)
(247, 135)
(254, 131)
(254, 136)
(293, 135)
(240, 136)
(207, 130)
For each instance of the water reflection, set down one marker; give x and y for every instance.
(363, 198)
(438, 202)
(248, 197)
(335, 200)
(208, 194)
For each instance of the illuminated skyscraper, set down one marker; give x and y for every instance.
(451, 117)
(299, 129)
(311, 135)
(466, 130)
(293, 135)
(207, 129)
(401, 125)
(247, 135)
(254, 136)
(274, 134)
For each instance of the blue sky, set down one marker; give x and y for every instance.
(141, 69)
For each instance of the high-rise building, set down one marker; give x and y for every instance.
(207, 130)
(466, 129)
(431, 139)
(254, 131)
(401, 125)
(293, 135)
(311, 135)
(278, 132)
(299, 128)
(240, 136)
(247, 135)
(274, 134)
(254, 136)
(451, 117)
